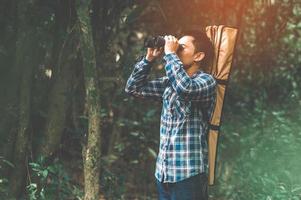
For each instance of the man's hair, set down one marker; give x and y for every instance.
(202, 44)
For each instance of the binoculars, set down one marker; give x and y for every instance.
(156, 42)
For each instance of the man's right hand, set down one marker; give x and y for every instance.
(153, 53)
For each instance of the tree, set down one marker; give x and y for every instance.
(92, 148)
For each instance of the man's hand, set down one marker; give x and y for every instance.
(153, 53)
(171, 44)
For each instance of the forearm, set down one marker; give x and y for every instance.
(178, 77)
(138, 76)
(199, 87)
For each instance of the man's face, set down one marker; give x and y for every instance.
(186, 54)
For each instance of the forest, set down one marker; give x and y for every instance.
(69, 131)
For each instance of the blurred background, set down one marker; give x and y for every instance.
(69, 131)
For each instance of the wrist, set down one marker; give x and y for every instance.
(170, 56)
(169, 52)
(149, 59)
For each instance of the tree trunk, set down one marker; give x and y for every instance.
(92, 148)
(58, 100)
(9, 87)
(24, 62)
(22, 140)
(64, 58)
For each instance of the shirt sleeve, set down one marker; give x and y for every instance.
(138, 85)
(201, 87)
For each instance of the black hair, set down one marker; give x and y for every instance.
(202, 44)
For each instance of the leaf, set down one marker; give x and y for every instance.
(45, 173)
(3, 180)
(134, 162)
(152, 152)
(8, 163)
(51, 169)
(134, 14)
(34, 165)
(134, 134)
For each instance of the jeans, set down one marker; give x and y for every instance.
(193, 188)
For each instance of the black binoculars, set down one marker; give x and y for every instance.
(156, 42)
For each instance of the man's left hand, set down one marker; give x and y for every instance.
(171, 44)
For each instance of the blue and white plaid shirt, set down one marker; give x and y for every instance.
(183, 150)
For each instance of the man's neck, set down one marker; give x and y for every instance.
(192, 69)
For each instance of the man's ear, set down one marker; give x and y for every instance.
(199, 56)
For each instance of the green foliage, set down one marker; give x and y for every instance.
(259, 156)
(266, 62)
(112, 184)
(53, 181)
(4, 183)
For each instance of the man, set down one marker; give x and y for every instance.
(188, 96)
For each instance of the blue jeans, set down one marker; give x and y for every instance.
(193, 188)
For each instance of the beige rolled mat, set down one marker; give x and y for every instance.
(224, 40)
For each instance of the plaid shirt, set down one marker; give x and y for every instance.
(183, 150)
